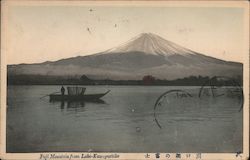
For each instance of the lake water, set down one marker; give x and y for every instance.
(124, 122)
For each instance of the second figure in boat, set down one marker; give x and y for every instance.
(62, 90)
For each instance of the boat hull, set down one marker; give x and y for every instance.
(85, 97)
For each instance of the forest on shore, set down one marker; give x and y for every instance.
(146, 80)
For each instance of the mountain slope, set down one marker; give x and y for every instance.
(145, 54)
(151, 44)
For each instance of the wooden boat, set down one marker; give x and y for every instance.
(80, 97)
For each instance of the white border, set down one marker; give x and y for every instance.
(4, 51)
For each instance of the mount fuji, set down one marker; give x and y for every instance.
(146, 54)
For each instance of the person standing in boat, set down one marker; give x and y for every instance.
(62, 90)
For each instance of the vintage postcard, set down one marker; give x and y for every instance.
(124, 80)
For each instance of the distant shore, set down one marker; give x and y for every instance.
(145, 81)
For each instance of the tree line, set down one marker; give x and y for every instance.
(146, 80)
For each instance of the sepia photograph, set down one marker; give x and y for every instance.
(124, 77)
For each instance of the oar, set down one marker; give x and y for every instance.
(48, 94)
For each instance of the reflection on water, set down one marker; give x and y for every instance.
(77, 106)
(123, 121)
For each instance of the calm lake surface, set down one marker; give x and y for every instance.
(124, 122)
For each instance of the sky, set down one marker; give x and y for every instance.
(52, 32)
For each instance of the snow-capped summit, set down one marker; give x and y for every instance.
(146, 54)
(151, 44)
